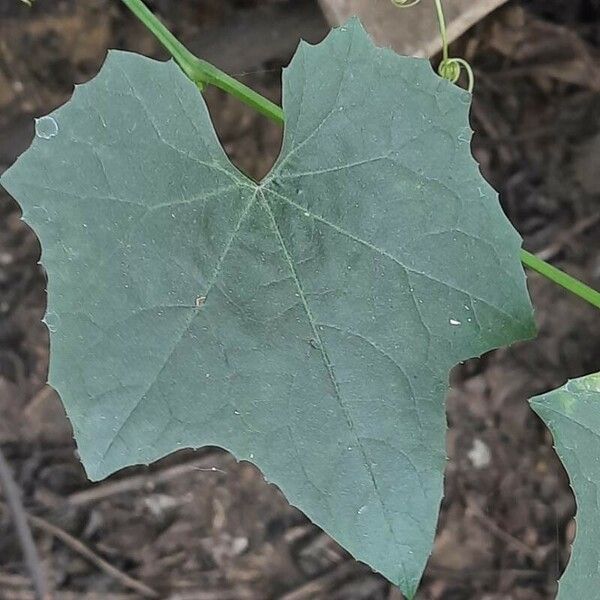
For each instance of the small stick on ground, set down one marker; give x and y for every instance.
(502, 535)
(80, 548)
(19, 517)
(324, 583)
(146, 481)
(87, 553)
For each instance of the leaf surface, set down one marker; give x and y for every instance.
(572, 413)
(306, 323)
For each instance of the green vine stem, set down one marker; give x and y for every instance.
(203, 73)
(199, 71)
(561, 278)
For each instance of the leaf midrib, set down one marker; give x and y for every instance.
(328, 366)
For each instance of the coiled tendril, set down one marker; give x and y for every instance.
(449, 68)
(405, 3)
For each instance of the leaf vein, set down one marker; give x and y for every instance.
(380, 251)
(329, 367)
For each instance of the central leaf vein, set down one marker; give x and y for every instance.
(328, 365)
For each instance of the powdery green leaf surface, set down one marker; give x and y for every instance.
(572, 413)
(306, 323)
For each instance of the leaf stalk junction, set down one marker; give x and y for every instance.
(203, 74)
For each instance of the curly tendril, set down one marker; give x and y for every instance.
(405, 3)
(450, 68)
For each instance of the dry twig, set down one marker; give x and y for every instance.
(19, 517)
(324, 583)
(143, 482)
(496, 530)
(85, 552)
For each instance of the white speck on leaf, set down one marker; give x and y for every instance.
(455, 322)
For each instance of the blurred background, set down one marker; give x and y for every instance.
(198, 525)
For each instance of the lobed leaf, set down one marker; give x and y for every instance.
(306, 323)
(572, 413)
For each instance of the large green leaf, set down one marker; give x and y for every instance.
(572, 414)
(306, 323)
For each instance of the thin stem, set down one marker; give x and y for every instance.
(585, 292)
(443, 34)
(203, 73)
(184, 58)
(450, 68)
(212, 75)
(199, 71)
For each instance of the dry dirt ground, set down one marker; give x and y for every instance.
(200, 526)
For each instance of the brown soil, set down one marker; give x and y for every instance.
(200, 526)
